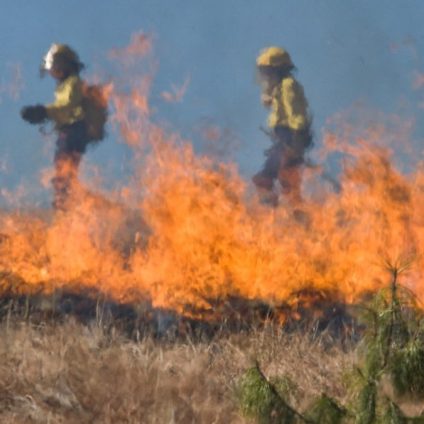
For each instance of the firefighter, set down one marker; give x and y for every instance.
(68, 117)
(289, 124)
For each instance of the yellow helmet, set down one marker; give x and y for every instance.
(274, 57)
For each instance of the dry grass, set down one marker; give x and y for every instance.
(71, 373)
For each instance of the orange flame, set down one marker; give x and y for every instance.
(187, 233)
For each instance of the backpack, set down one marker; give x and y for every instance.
(95, 110)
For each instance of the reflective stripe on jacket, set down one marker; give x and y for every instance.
(67, 107)
(289, 107)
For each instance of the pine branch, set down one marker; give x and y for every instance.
(260, 399)
(275, 393)
(393, 288)
(327, 410)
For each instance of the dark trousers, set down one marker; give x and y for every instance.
(70, 146)
(284, 160)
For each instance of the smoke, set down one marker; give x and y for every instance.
(11, 83)
(418, 85)
(407, 43)
(215, 141)
(139, 47)
(418, 82)
(176, 94)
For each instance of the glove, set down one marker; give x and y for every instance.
(34, 114)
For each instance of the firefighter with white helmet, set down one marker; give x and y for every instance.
(289, 123)
(68, 113)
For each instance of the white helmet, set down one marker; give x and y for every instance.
(60, 54)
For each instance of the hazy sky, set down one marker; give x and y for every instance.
(346, 51)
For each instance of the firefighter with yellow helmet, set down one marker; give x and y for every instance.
(68, 114)
(289, 124)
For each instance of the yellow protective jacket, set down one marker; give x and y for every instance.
(289, 107)
(68, 105)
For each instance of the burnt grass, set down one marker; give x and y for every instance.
(307, 311)
(77, 356)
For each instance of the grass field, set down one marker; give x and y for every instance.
(65, 371)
